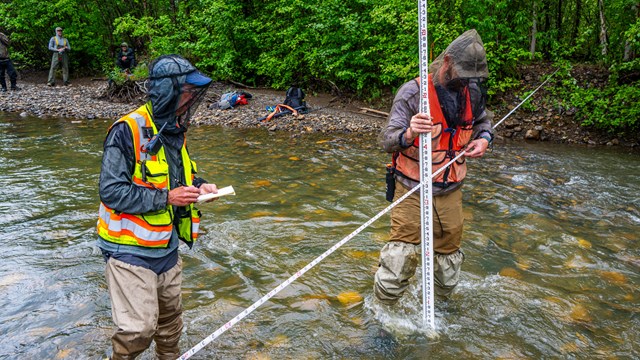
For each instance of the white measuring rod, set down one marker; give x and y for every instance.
(426, 191)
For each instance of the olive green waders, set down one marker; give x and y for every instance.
(56, 60)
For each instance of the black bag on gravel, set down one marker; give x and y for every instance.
(295, 99)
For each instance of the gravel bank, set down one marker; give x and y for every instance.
(84, 100)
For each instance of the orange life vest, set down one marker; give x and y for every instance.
(446, 144)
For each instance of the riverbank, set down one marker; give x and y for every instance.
(84, 99)
(328, 114)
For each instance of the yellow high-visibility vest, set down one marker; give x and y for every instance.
(150, 229)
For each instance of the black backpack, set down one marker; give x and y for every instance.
(295, 99)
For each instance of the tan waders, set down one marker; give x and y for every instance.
(401, 255)
(155, 313)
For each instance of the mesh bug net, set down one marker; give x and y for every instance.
(461, 71)
(467, 57)
(176, 88)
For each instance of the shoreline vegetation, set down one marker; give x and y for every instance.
(359, 52)
(85, 100)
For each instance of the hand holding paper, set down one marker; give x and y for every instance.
(221, 192)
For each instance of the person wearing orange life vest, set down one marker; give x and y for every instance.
(459, 122)
(60, 47)
(148, 187)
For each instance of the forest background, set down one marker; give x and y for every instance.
(366, 48)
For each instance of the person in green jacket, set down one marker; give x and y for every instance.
(126, 59)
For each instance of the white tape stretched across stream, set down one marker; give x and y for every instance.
(298, 274)
(291, 279)
(335, 247)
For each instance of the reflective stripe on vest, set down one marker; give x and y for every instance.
(151, 229)
(447, 143)
(131, 229)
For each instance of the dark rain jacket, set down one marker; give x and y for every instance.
(131, 59)
(4, 46)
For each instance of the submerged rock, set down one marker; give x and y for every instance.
(532, 134)
(349, 298)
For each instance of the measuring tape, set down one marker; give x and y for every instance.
(426, 192)
(286, 283)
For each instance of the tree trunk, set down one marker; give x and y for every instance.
(172, 3)
(545, 26)
(559, 21)
(576, 23)
(534, 31)
(546, 10)
(629, 53)
(603, 29)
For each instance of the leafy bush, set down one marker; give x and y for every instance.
(119, 77)
(614, 109)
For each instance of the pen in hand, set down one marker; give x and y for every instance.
(182, 195)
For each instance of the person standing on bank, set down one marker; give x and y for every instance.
(459, 122)
(6, 65)
(148, 187)
(60, 47)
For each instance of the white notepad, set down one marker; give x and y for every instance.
(221, 192)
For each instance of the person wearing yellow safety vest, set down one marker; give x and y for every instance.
(459, 122)
(60, 47)
(148, 187)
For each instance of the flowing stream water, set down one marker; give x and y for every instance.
(551, 243)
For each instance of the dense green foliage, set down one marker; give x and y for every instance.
(366, 47)
(614, 108)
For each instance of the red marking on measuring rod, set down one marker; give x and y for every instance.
(426, 191)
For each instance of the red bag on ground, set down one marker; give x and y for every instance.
(242, 100)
